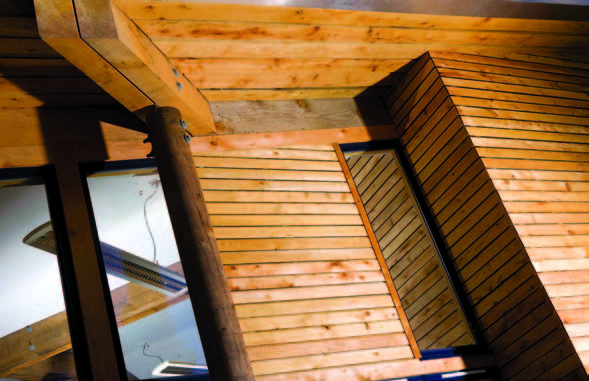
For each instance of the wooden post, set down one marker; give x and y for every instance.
(97, 325)
(215, 314)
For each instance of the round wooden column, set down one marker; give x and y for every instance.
(219, 329)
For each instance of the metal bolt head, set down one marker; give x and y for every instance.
(187, 138)
(183, 124)
(179, 86)
(175, 71)
(29, 329)
(31, 347)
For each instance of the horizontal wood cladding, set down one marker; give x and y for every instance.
(249, 52)
(309, 292)
(512, 309)
(414, 265)
(531, 134)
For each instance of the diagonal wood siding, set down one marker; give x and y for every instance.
(309, 292)
(528, 118)
(426, 295)
(515, 315)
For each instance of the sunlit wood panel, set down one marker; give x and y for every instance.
(531, 133)
(505, 294)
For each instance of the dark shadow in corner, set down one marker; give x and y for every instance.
(50, 95)
(371, 102)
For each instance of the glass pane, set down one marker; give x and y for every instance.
(34, 335)
(416, 269)
(156, 322)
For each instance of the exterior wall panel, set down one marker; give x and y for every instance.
(527, 118)
(309, 292)
(511, 307)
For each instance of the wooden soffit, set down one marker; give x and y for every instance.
(110, 49)
(235, 52)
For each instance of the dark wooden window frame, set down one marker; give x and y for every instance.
(65, 262)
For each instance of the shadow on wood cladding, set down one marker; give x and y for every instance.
(517, 319)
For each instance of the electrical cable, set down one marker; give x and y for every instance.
(146, 345)
(157, 183)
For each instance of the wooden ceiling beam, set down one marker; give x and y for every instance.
(62, 363)
(34, 343)
(101, 41)
(116, 38)
(58, 28)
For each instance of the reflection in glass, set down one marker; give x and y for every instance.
(156, 322)
(415, 266)
(34, 335)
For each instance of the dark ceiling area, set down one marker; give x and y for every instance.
(570, 10)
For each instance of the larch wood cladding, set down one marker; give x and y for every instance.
(512, 309)
(411, 257)
(528, 118)
(249, 52)
(310, 295)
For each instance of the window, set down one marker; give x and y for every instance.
(418, 274)
(157, 328)
(33, 319)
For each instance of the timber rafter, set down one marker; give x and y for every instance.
(101, 41)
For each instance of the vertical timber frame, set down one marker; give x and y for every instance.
(91, 283)
(378, 253)
(221, 336)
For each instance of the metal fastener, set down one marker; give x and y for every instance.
(179, 86)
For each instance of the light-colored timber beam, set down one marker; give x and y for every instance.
(99, 39)
(58, 28)
(62, 363)
(242, 117)
(33, 344)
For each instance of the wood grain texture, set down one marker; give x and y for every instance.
(309, 291)
(289, 138)
(62, 363)
(248, 52)
(545, 201)
(381, 260)
(88, 278)
(284, 115)
(111, 133)
(105, 28)
(413, 268)
(222, 339)
(50, 337)
(496, 274)
(58, 27)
